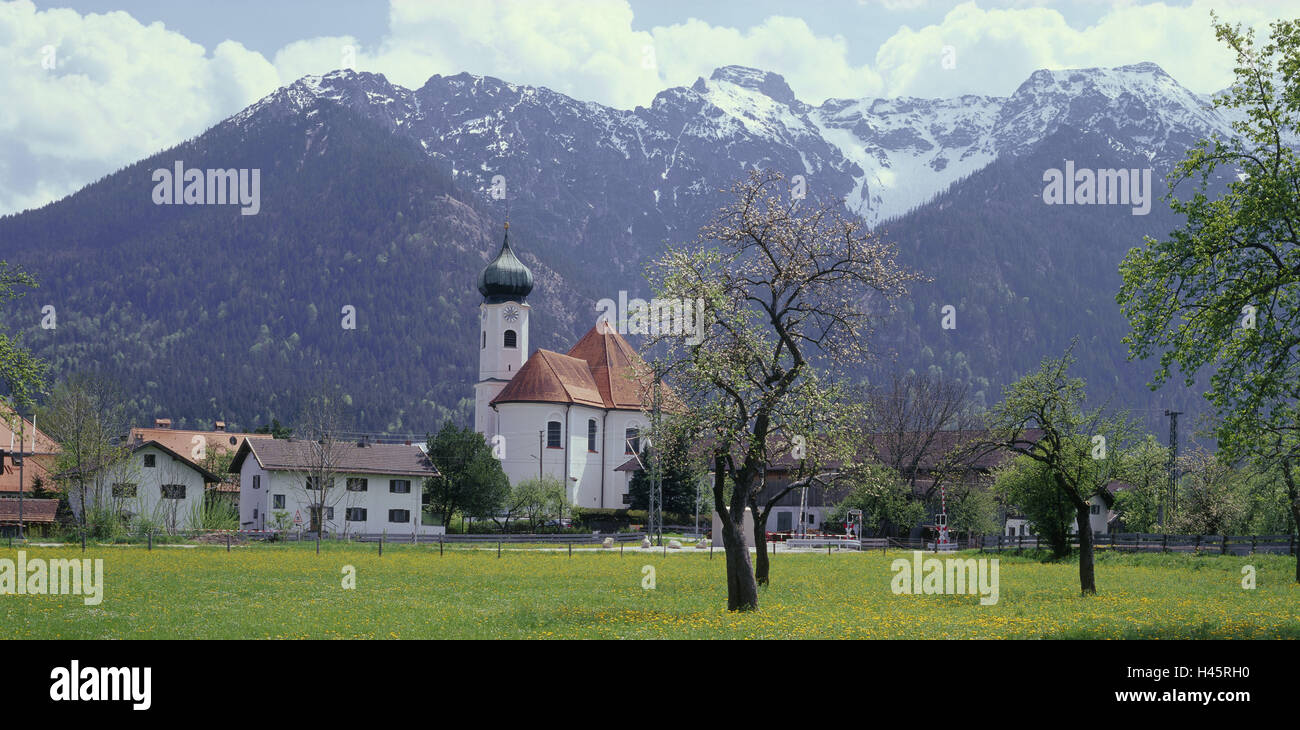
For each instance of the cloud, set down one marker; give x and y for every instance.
(996, 50)
(120, 90)
(84, 95)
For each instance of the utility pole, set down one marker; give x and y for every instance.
(1173, 469)
(656, 526)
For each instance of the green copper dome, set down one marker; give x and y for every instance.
(506, 279)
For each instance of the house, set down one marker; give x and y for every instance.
(196, 445)
(16, 432)
(153, 482)
(575, 416)
(334, 487)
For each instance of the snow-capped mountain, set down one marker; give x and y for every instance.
(378, 197)
(883, 156)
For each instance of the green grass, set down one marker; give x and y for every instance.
(267, 591)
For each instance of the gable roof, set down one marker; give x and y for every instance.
(351, 458)
(179, 439)
(207, 475)
(41, 446)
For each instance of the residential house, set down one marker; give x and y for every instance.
(153, 482)
(336, 487)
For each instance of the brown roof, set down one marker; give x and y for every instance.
(43, 448)
(600, 371)
(34, 510)
(182, 440)
(293, 454)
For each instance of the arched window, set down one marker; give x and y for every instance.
(511, 339)
(591, 434)
(633, 436)
(553, 434)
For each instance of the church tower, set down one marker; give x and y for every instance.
(503, 330)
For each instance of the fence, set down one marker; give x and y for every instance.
(1137, 542)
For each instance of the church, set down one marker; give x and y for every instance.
(575, 416)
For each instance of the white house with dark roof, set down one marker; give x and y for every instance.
(153, 482)
(575, 416)
(368, 489)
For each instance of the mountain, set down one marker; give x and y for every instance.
(379, 197)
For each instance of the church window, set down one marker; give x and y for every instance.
(633, 437)
(511, 339)
(591, 434)
(553, 434)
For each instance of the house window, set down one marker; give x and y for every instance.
(553, 434)
(511, 339)
(356, 514)
(123, 491)
(173, 491)
(627, 499)
(484, 345)
(399, 515)
(254, 513)
(1096, 509)
(329, 513)
(633, 438)
(150, 461)
(277, 501)
(591, 434)
(356, 484)
(399, 486)
(314, 483)
(257, 481)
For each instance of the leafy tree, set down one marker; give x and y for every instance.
(1025, 486)
(1043, 416)
(972, 510)
(680, 479)
(786, 290)
(1146, 470)
(538, 500)
(1210, 498)
(20, 372)
(882, 495)
(1223, 291)
(87, 417)
(472, 480)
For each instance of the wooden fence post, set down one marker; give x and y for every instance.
(498, 548)
(1223, 547)
(1253, 543)
(1293, 544)
(150, 533)
(440, 545)
(1164, 543)
(227, 542)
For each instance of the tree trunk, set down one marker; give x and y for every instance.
(760, 554)
(1293, 497)
(1087, 580)
(742, 591)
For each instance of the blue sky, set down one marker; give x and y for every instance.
(92, 85)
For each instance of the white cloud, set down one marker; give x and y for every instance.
(123, 90)
(997, 49)
(118, 91)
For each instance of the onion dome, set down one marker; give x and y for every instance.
(506, 279)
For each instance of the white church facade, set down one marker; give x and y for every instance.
(575, 416)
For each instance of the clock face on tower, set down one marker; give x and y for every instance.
(512, 313)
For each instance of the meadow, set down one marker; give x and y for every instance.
(288, 591)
